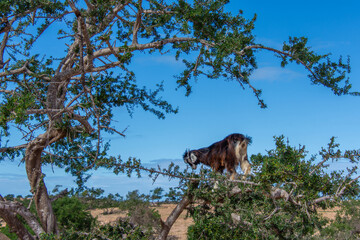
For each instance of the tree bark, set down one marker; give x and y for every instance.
(15, 225)
(166, 226)
(35, 176)
(9, 211)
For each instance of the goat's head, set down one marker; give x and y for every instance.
(191, 159)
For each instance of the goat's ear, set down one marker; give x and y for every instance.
(186, 153)
(193, 157)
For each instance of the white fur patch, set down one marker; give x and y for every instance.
(237, 150)
(193, 158)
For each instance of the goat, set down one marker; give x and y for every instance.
(225, 154)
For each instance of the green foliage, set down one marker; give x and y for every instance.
(77, 223)
(173, 195)
(71, 214)
(156, 194)
(280, 201)
(346, 224)
(212, 227)
(7, 232)
(322, 70)
(121, 230)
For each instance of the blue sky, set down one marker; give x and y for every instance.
(304, 113)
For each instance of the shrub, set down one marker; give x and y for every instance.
(71, 213)
(121, 230)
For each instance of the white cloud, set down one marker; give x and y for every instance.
(275, 74)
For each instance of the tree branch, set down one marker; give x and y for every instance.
(174, 215)
(13, 148)
(137, 24)
(18, 208)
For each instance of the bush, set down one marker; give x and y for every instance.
(71, 213)
(139, 211)
(121, 230)
(213, 228)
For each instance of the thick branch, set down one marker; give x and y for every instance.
(23, 69)
(174, 215)
(84, 122)
(13, 148)
(15, 207)
(157, 44)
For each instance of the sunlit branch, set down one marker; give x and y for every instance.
(23, 69)
(137, 24)
(13, 148)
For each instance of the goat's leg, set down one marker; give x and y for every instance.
(246, 168)
(233, 174)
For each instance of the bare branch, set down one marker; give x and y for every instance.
(337, 194)
(341, 192)
(13, 148)
(137, 24)
(160, 12)
(114, 130)
(6, 29)
(157, 44)
(23, 69)
(7, 91)
(84, 122)
(272, 213)
(89, 5)
(174, 215)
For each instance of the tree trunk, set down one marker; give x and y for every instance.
(35, 176)
(166, 226)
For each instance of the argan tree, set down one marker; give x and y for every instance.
(281, 200)
(60, 106)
